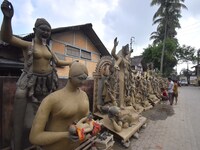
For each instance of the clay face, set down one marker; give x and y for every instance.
(43, 31)
(78, 80)
(125, 49)
(106, 71)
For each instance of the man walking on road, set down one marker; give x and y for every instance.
(170, 91)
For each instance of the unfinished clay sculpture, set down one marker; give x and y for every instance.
(59, 110)
(122, 64)
(122, 118)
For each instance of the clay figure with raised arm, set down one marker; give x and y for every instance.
(39, 76)
(59, 110)
(122, 64)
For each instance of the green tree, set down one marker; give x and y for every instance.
(185, 53)
(153, 53)
(167, 17)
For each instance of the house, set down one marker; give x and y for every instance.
(77, 42)
(70, 43)
(136, 63)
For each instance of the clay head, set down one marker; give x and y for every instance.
(106, 70)
(77, 69)
(42, 28)
(125, 49)
(41, 21)
(113, 111)
(78, 73)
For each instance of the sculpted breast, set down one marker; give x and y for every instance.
(42, 54)
(72, 107)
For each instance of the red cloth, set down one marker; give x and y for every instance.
(165, 93)
(96, 128)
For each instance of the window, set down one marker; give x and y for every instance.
(72, 51)
(76, 52)
(85, 54)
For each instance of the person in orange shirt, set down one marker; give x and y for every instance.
(175, 90)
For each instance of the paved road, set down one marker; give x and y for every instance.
(174, 127)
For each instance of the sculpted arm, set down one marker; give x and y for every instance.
(60, 62)
(38, 135)
(113, 52)
(116, 65)
(6, 28)
(117, 126)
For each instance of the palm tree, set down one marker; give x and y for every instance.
(167, 18)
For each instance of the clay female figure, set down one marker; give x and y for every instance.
(122, 64)
(39, 75)
(108, 94)
(59, 110)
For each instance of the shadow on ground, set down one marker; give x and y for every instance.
(159, 112)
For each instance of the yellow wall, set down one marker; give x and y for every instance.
(79, 40)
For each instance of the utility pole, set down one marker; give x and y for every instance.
(198, 75)
(163, 49)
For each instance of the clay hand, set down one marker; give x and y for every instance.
(117, 67)
(7, 9)
(74, 138)
(115, 42)
(73, 135)
(74, 61)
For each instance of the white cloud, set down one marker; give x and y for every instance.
(190, 31)
(22, 19)
(110, 19)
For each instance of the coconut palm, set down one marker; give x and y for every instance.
(167, 17)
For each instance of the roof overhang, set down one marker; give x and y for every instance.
(6, 63)
(86, 29)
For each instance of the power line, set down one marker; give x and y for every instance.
(194, 24)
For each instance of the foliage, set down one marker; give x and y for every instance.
(185, 53)
(167, 17)
(153, 53)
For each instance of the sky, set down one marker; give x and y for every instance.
(124, 19)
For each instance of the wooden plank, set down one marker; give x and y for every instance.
(87, 143)
(125, 134)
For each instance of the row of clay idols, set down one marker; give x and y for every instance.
(119, 87)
